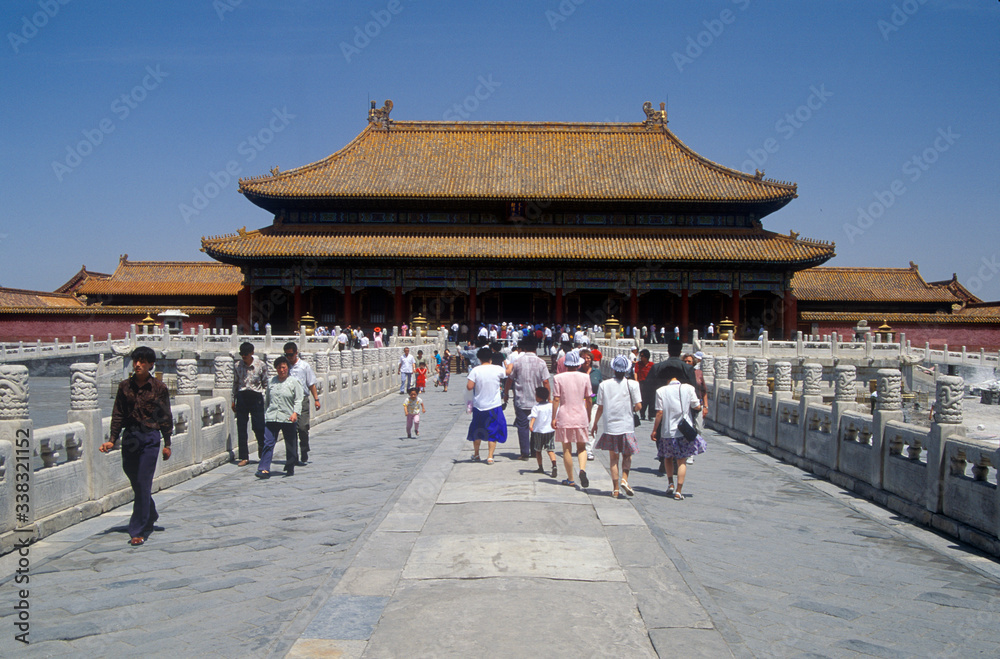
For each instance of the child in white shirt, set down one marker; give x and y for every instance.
(542, 433)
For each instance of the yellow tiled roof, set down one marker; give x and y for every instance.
(485, 243)
(507, 160)
(167, 278)
(116, 310)
(868, 285)
(874, 320)
(15, 297)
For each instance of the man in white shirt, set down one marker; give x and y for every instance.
(488, 421)
(407, 363)
(342, 340)
(303, 372)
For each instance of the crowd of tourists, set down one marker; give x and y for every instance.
(569, 405)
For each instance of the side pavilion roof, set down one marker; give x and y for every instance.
(518, 161)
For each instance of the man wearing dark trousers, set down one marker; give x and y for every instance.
(249, 386)
(141, 415)
(527, 374)
(303, 372)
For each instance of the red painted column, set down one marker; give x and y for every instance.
(298, 309)
(633, 307)
(398, 307)
(791, 315)
(734, 308)
(559, 305)
(472, 310)
(244, 303)
(348, 306)
(685, 314)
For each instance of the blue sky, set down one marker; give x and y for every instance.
(119, 120)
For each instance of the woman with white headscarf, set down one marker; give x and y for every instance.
(618, 399)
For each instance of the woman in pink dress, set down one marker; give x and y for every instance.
(377, 335)
(571, 403)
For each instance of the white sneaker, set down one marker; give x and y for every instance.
(590, 456)
(690, 460)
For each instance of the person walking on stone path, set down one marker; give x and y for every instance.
(488, 422)
(675, 401)
(141, 415)
(542, 433)
(571, 404)
(618, 400)
(421, 376)
(444, 369)
(527, 373)
(285, 397)
(250, 380)
(413, 406)
(407, 363)
(303, 372)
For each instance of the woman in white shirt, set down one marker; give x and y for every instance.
(617, 400)
(675, 401)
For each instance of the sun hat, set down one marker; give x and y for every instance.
(620, 364)
(573, 358)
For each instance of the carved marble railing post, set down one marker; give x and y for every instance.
(812, 380)
(889, 407)
(322, 368)
(85, 409)
(223, 371)
(187, 394)
(782, 381)
(758, 375)
(720, 408)
(947, 422)
(17, 447)
(738, 369)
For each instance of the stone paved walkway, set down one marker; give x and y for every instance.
(388, 547)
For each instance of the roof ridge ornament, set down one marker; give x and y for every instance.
(380, 116)
(655, 117)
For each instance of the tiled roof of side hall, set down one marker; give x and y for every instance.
(830, 284)
(483, 243)
(16, 297)
(167, 278)
(517, 160)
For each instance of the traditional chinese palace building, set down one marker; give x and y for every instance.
(482, 221)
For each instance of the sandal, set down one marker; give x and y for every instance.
(678, 496)
(569, 482)
(476, 458)
(616, 495)
(670, 490)
(489, 461)
(626, 489)
(135, 542)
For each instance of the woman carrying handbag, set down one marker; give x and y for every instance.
(675, 405)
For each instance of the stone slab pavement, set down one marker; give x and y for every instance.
(388, 547)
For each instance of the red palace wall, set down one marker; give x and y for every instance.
(973, 337)
(49, 327)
